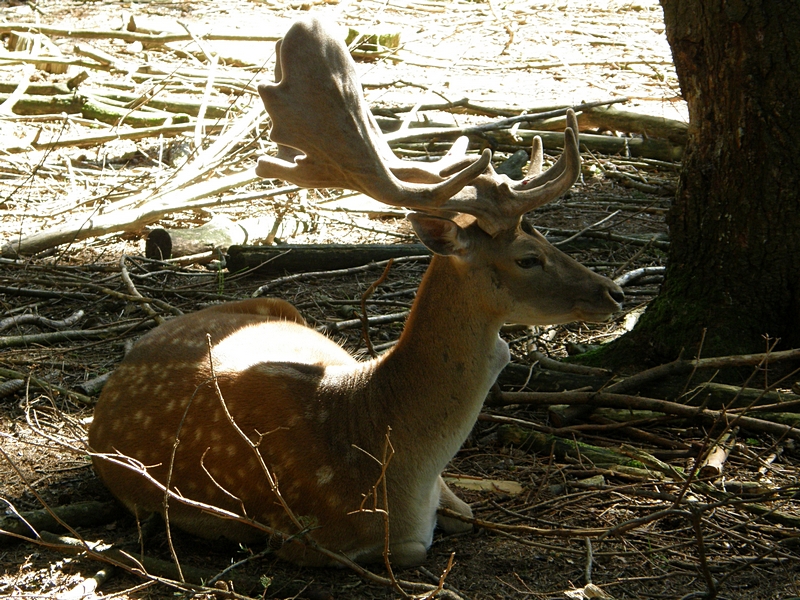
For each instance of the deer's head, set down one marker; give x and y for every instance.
(463, 208)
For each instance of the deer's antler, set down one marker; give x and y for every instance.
(327, 137)
(498, 202)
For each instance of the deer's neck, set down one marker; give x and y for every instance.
(446, 360)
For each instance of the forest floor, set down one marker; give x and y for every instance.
(552, 517)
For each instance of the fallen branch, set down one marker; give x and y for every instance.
(45, 105)
(40, 321)
(649, 240)
(682, 366)
(134, 219)
(95, 108)
(522, 138)
(333, 273)
(11, 58)
(185, 190)
(44, 385)
(528, 117)
(536, 531)
(498, 134)
(719, 395)
(33, 293)
(100, 108)
(607, 118)
(97, 139)
(638, 402)
(37, 89)
(131, 36)
(463, 106)
(374, 320)
(631, 276)
(169, 103)
(561, 447)
(79, 514)
(68, 335)
(155, 569)
(299, 258)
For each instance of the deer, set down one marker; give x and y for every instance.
(239, 420)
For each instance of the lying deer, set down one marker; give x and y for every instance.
(281, 429)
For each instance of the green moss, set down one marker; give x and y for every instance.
(592, 358)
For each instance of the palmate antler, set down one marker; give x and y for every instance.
(327, 137)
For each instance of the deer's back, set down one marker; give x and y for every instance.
(163, 410)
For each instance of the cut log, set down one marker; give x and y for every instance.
(46, 105)
(611, 119)
(277, 260)
(219, 233)
(636, 147)
(607, 118)
(479, 484)
(37, 89)
(658, 149)
(91, 108)
(711, 466)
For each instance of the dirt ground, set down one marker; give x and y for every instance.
(667, 538)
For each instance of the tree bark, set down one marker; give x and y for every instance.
(733, 266)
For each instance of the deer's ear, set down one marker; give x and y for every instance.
(440, 235)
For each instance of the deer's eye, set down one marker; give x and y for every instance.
(529, 262)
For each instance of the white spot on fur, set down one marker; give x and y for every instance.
(324, 475)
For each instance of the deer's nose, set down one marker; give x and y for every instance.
(617, 295)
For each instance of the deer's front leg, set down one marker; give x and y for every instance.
(448, 499)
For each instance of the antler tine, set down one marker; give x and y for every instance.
(452, 162)
(499, 202)
(326, 135)
(537, 155)
(537, 179)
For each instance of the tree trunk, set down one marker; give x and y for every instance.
(734, 261)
